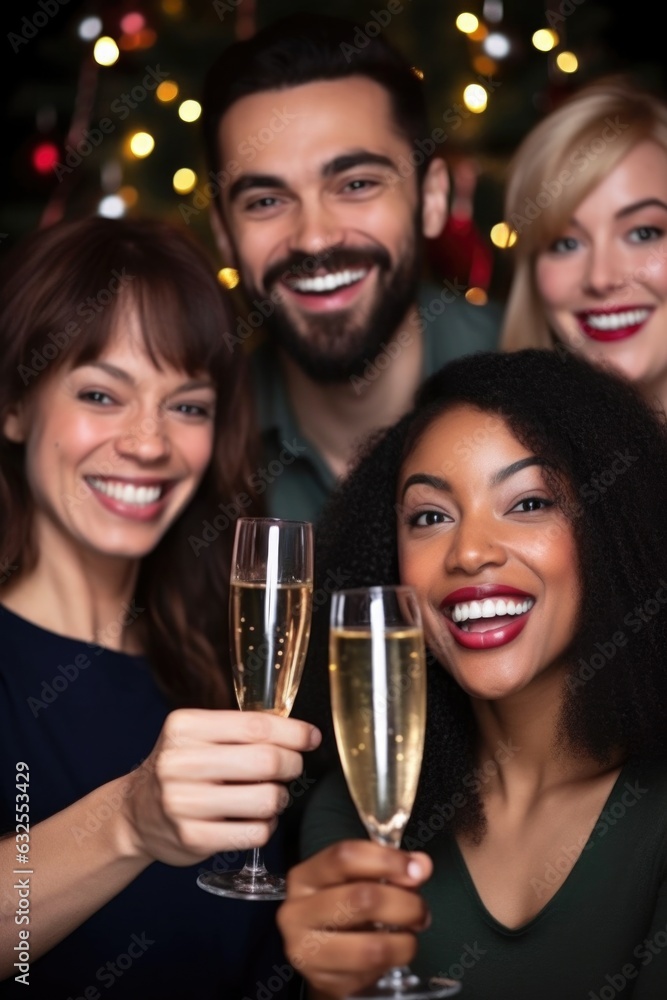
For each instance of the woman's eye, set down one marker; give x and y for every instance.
(643, 234)
(96, 396)
(425, 518)
(564, 244)
(532, 503)
(193, 410)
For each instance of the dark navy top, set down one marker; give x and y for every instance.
(78, 715)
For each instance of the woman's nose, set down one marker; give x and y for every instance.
(145, 441)
(475, 543)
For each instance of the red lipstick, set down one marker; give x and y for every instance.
(488, 640)
(621, 332)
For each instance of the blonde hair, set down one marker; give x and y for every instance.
(562, 159)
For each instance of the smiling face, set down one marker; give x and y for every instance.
(114, 448)
(324, 218)
(603, 283)
(493, 559)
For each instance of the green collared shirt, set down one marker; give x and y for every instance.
(294, 476)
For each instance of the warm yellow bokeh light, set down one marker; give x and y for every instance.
(129, 194)
(484, 65)
(229, 277)
(189, 111)
(184, 180)
(476, 296)
(172, 7)
(141, 144)
(467, 23)
(479, 34)
(419, 73)
(475, 98)
(545, 39)
(105, 51)
(567, 62)
(503, 236)
(167, 91)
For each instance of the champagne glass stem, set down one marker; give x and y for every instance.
(254, 865)
(398, 978)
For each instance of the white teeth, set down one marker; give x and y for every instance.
(617, 320)
(489, 608)
(126, 492)
(328, 282)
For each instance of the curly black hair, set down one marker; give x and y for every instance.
(605, 451)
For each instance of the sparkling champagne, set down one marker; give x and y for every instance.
(271, 629)
(379, 716)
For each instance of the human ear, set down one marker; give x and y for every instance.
(435, 193)
(13, 426)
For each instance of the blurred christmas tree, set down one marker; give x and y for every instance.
(94, 126)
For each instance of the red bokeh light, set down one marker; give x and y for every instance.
(44, 157)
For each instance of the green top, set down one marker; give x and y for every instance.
(295, 477)
(602, 936)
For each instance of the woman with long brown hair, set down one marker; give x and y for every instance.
(126, 454)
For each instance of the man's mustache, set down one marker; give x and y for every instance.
(298, 265)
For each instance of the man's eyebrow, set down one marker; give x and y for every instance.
(249, 181)
(347, 161)
(424, 479)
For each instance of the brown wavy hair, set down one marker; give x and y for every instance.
(62, 293)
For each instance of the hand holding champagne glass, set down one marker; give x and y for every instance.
(270, 614)
(377, 673)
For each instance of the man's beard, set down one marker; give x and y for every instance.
(334, 347)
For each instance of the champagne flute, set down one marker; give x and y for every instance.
(270, 613)
(377, 673)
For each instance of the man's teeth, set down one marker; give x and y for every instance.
(490, 608)
(328, 282)
(617, 320)
(125, 492)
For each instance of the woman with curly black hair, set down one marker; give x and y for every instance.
(524, 498)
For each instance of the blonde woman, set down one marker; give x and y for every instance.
(587, 196)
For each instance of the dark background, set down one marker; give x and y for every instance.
(46, 81)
